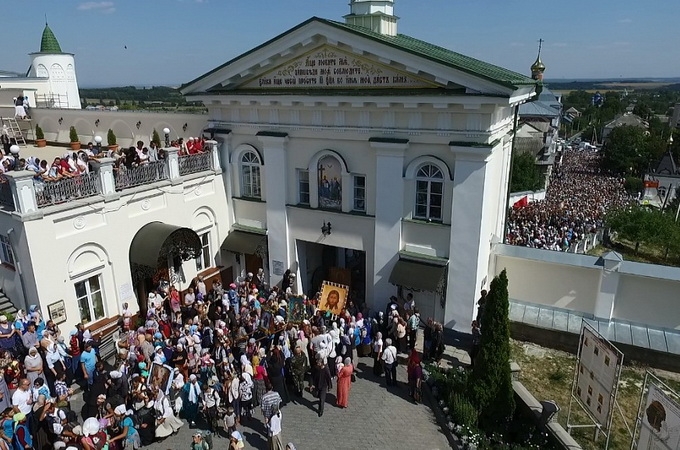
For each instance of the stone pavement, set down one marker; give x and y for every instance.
(377, 418)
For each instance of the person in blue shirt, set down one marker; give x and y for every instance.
(88, 360)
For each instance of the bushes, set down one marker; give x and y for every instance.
(73, 134)
(462, 411)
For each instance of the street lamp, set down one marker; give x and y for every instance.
(14, 149)
(166, 131)
(98, 141)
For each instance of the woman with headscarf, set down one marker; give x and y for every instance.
(33, 364)
(344, 383)
(259, 375)
(5, 397)
(129, 437)
(192, 398)
(377, 354)
(94, 437)
(275, 365)
(246, 366)
(415, 375)
(42, 434)
(22, 434)
(245, 389)
(147, 423)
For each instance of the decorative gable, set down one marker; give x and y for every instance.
(329, 67)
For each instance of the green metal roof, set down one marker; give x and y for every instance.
(442, 55)
(493, 73)
(49, 43)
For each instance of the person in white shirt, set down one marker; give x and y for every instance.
(274, 428)
(22, 400)
(389, 358)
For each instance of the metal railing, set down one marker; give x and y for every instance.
(6, 197)
(584, 245)
(48, 193)
(137, 176)
(199, 162)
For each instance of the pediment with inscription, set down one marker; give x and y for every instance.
(330, 68)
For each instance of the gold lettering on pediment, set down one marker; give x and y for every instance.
(328, 67)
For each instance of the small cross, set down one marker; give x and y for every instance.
(540, 44)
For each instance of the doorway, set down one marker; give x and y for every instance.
(319, 263)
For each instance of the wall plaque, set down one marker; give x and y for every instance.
(57, 311)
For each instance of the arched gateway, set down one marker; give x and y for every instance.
(156, 255)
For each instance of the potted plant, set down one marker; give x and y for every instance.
(40, 140)
(75, 140)
(111, 140)
(156, 138)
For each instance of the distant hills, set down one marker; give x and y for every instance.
(611, 84)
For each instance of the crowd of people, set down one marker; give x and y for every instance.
(204, 358)
(73, 164)
(576, 202)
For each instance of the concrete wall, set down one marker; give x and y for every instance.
(532, 196)
(123, 124)
(645, 294)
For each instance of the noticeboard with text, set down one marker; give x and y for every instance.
(597, 377)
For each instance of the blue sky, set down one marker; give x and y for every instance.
(170, 42)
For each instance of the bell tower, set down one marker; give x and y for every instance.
(376, 15)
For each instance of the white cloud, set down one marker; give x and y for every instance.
(626, 21)
(103, 7)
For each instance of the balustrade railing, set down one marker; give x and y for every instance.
(6, 197)
(199, 162)
(48, 193)
(137, 176)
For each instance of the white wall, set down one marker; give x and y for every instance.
(69, 245)
(648, 300)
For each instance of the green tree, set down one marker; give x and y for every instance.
(625, 152)
(491, 382)
(636, 224)
(156, 138)
(525, 175)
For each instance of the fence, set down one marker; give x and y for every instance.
(590, 241)
(199, 162)
(6, 197)
(50, 193)
(137, 176)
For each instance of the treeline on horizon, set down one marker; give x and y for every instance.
(604, 85)
(120, 95)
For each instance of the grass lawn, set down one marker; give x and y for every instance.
(645, 254)
(548, 375)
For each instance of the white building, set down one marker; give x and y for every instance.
(51, 80)
(397, 148)
(401, 145)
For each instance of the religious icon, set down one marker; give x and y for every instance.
(330, 183)
(296, 309)
(333, 297)
(160, 376)
(266, 321)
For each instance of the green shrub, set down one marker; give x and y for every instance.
(73, 134)
(9, 315)
(633, 185)
(462, 410)
(111, 137)
(39, 132)
(156, 138)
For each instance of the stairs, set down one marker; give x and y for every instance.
(11, 127)
(6, 305)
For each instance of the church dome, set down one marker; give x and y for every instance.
(49, 43)
(538, 65)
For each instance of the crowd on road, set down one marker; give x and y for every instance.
(212, 358)
(576, 202)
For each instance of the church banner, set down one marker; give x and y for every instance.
(329, 67)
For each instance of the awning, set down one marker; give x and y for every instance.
(244, 242)
(156, 241)
(418, 276)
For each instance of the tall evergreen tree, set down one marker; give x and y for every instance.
(491, 383)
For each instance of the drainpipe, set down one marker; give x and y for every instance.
(512, 151)
(17, 265)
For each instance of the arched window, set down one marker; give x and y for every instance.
(429, 192)
(250, 175)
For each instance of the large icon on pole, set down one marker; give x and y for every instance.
(659, 421)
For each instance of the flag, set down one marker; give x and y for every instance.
(524, 201)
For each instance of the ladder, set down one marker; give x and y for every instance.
(11, 127)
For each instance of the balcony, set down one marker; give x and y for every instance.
(23, 194)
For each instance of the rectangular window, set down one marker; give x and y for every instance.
(205, 259)
(251, 182)
(359, 193)
(90, 301)
(7, 255)
(303, 187)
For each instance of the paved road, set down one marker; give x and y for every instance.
(377, 418)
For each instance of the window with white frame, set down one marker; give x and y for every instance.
(7, 255)
(90, 300)
(303, 187)
(205, 258)
(250, 175)
(359, 203)
(429, 192)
